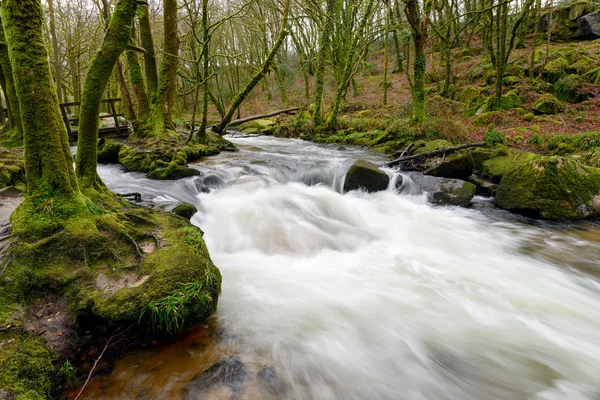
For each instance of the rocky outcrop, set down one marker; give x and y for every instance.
(555, 188)
(366, 176)
(443, 191)
(577, 21)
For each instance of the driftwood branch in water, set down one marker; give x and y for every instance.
(255, 117)
(433, 153)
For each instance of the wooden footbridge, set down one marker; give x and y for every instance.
(117, 129)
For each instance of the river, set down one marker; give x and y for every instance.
(368, 296)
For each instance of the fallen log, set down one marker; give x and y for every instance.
(255, 117)
(433, 153)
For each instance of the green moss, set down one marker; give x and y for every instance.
(183, 260)
(555, 69)
(493, 137)
(552, 188)
(568, 89)
(185, 210)
(424, 146)
(263, 126)
(495, 168)
(511, 80)
(27, 371)
(547, 104)
(364, 175)
(173, 171)
(528, 117)
(108, 151)
(580, 67)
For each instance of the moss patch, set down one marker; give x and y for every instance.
(554, 188)
(494, 169)
(27, 371)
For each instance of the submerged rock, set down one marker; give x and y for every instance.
(554, 188)
(365, 175)
(444, 191)
(229, 372)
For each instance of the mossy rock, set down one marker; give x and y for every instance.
(172, 172)
(12, 175)
(511, 80)
(365, 175)
(570, 89)
(108, 151)
(263, 126)
(469, 95)
(510, 100)
(464, 163)
(26, 371)
(364, 114)
(547, 104)
(495, 168)
(555, 69)
(591, 75)
(554, 187)
(486, 118)
(185, 210)
(444, 191)
(580, 67)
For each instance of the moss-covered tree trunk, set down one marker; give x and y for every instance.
(349, 66)
(15, 126)
(239, 98)
(150, 67)
(321, 60)
(167, 84)
(419, 26)
(115, 42)
(52, 189)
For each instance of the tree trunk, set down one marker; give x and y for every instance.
(237, 100)
(167, 84)
(57, 63)
(321, 59)
(148, 45)
(52, 189)
(16, 124)
(99, 74)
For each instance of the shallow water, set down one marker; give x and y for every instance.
(369, 296)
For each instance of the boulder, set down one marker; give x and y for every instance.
(108, 151)
(547, 104)
(185, 210)
(444, 191)
(365, 175)
(555, 69)
(571, 89)
(555, 188)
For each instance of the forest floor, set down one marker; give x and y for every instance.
(468, 69)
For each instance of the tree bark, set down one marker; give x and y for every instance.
(52, 189)
(99, 74)
(237, 100)
(321, 60)
(16, 123)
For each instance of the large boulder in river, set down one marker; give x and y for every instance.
(554, 188)
(444, 191)
(365, 175)
(262, 126)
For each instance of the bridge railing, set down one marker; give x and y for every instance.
(119, 129)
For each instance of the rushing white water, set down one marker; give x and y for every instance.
(382, 296)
